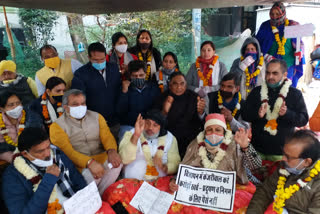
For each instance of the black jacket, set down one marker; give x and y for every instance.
(296, 116)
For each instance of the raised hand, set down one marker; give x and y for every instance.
(263, 110)
(241, 138)
(139, 126)
(167, 104)
(125, 86)
(227, 114)
(283, 109)
(201, 104)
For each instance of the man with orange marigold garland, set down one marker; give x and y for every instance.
(228, 101)
(295, 186)
(275, 45)
(274, 109)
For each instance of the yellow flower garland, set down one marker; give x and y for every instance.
(282, 194)
(254, 74)
(148, 74)
(4, 130)
(235, 110)
(281, 50)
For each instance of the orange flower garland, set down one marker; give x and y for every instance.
(45, 111)
(160, 82)
(209, 74)
(5, 131)
(148, 74)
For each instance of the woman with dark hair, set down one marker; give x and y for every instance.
(169, 65)
(13, 119)
(119, 53)
(205, 74)
(49, 106)
(146, 52)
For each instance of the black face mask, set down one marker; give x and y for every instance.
(58, 98)
(144, 46)
(226, 94)
(138, 82)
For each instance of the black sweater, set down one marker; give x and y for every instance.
(183, 119)
(296, 116)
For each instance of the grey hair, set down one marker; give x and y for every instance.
(74, 92)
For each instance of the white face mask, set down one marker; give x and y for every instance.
(121, 48)
(42, 163)
(214, 139)
(15, 113)
(78, 112)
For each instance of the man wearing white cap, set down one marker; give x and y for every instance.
(22, 86)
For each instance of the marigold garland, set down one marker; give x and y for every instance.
(4, 131)
(45, 111)
(160, 82)
(151, 171)
(283, 194)
(235, 110)
(209, 74)
(272, 117)
(148, 74)
(254, 74)
(218, 156)
(281, 50)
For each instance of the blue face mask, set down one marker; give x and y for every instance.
(294, 170)
(275, 85)
(99, 66)
(254, 55)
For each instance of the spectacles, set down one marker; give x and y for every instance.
(289, 158)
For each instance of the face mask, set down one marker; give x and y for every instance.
(78, 112)
(144, 46)
(41, 163)
(138, 82)
(168, 71)
(214, 139)
(226, 94)
(53, 62)
(152, 137)
(99, 66)
(121, 48)
(57, 98)
(254, 55)
(275, 85)
(15, 113)
(294, 170)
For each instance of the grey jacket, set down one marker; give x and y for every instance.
(236, 63)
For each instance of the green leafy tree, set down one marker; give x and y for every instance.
(37, 27)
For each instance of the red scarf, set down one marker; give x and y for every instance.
(204, 64)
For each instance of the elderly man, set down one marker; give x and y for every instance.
(295, 187)
(54, 66)
(184, 110)
(149, 150)
(22, 86)
(228, 101)
(274, 109)
(84, 136)
(40, 177)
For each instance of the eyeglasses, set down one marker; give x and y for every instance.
(288, 157)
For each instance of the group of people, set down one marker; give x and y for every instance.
(129, 116)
